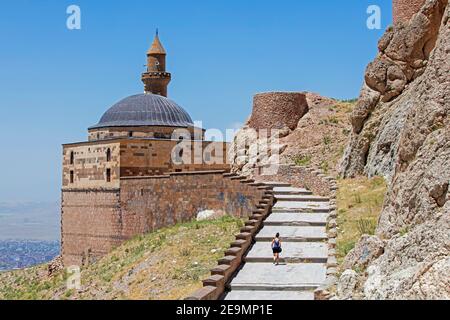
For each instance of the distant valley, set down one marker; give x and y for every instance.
(29, 234)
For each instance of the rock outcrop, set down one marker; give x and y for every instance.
(391, 94)
(283, 129)
(401, 130)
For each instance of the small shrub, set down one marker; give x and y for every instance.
(404, 231)
(333, 120)
(327, 140)
(185, 252)
(302, 160)
(325, 166)
(366, 226)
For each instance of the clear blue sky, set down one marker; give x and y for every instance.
(54, 82)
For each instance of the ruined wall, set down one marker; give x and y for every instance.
(278, 110)
(403, 10)
(95, 221)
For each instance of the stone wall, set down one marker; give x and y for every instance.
(154, 157)
(95, 221)
(157, 132)
(151, 203)
(91, 224)
(136, 157)
(278, 110)
(90, 164)
(403, 10)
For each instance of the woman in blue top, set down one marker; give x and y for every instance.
(276, 248)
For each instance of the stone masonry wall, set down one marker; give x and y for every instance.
(403, 10)
(96, 221)
(91, 224)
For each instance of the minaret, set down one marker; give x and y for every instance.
(156, 79)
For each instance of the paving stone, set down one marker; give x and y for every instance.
(300, 206)
(290, 190)
(270, 295)
(292, 252)
(289, 218)
(289, 277)
(294, 234)
(296, 198)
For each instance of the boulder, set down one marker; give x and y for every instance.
(347, 284)
(365, 252)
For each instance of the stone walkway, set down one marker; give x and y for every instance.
(301, 220)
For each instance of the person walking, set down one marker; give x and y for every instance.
(276, 248)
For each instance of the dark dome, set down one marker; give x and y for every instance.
(145, 110)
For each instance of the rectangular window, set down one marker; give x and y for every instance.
(108, 175)
(71, 176)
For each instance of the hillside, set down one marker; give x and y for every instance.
(166, 264)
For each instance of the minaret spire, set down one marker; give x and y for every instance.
(156, 79)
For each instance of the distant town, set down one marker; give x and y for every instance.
(19, 254)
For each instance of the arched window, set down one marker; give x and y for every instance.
(108, 175)
(108, 155)
(72, 157)
(71, 177)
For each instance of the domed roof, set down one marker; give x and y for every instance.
(145, 110)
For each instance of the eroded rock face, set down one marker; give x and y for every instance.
(390, 94)
(407, 140)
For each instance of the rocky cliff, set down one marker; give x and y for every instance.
(401, 131)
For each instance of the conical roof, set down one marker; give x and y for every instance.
(157, 47)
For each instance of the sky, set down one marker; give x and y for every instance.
(56, 82)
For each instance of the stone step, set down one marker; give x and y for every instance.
(290, 190)
(296, 219)
(293, 234)
(302, 198)
(300, 206)
(275, 184)
(287, 277)
(293, 252)
(270, 295)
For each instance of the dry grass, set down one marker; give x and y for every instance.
(167, 264)
(360, 202)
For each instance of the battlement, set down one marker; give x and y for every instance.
(404, 10)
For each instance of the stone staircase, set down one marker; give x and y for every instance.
(301, 220)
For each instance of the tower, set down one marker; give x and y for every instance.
(156, 79)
